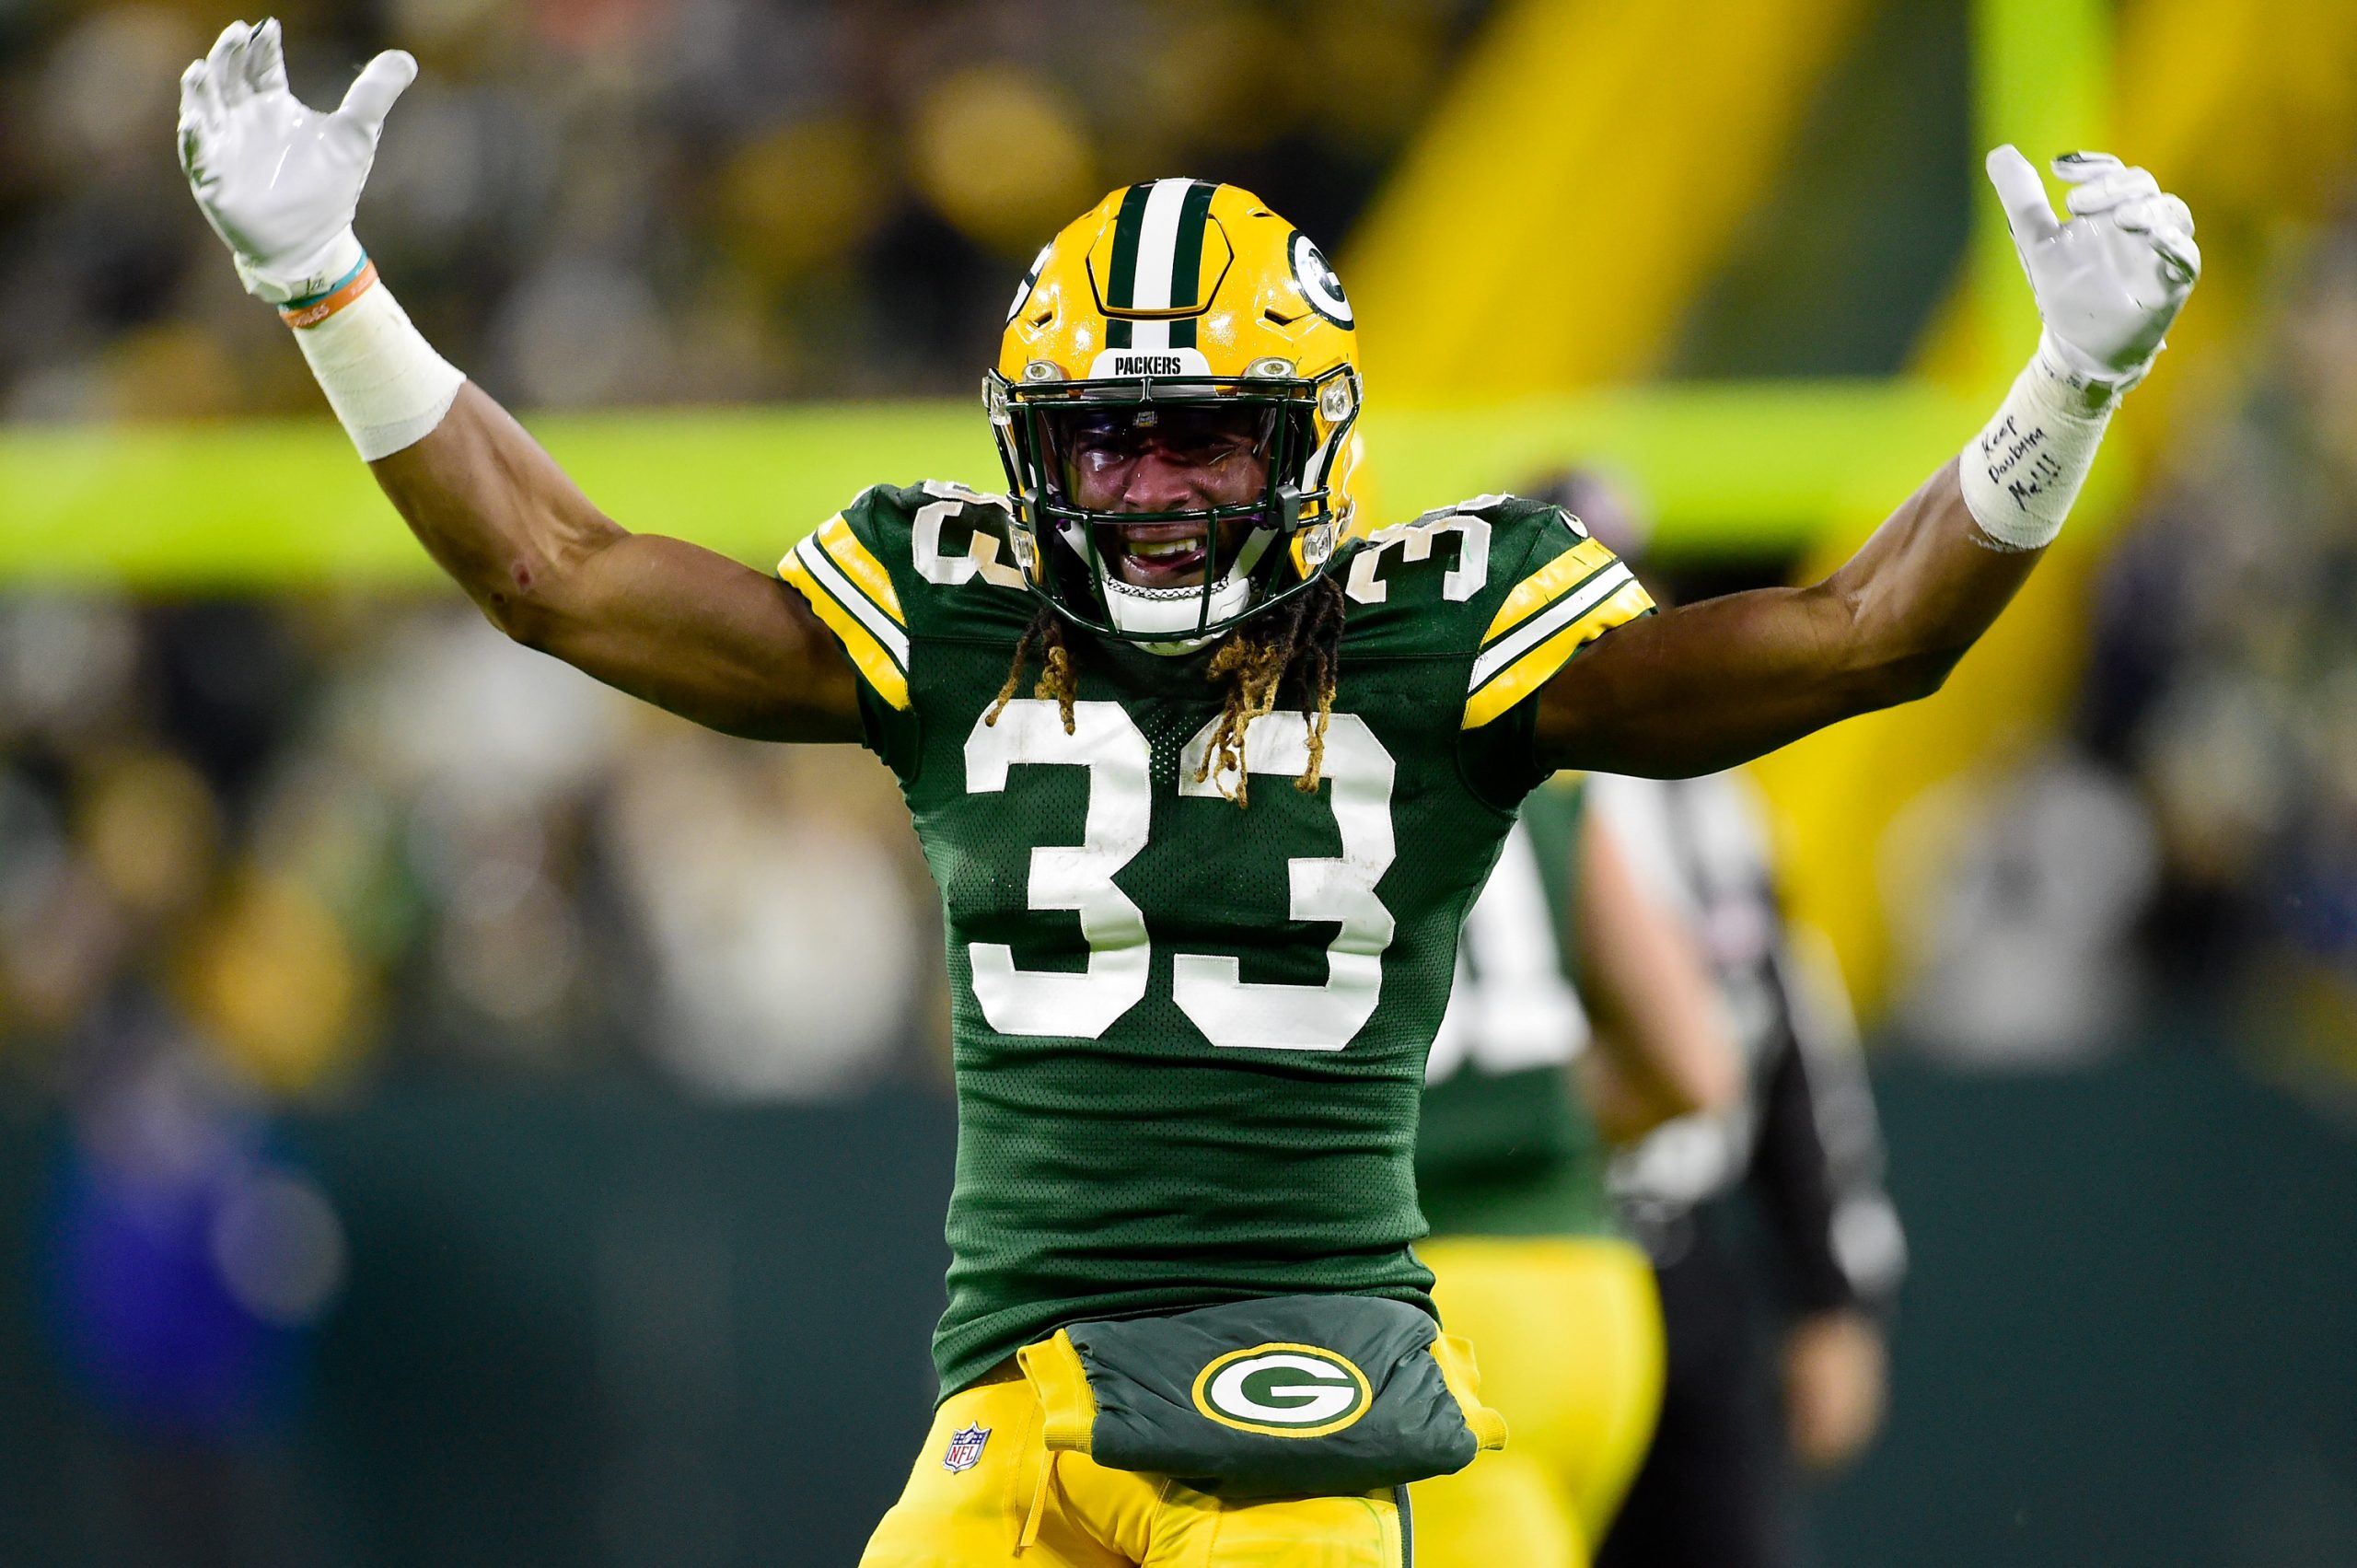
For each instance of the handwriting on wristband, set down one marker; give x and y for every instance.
(2017, 460)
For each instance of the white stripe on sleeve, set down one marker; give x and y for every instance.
(1546, 622)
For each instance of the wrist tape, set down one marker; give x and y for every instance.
(2021, 473)
(382, 378)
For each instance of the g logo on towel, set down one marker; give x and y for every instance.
(1282, 1390)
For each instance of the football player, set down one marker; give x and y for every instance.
(1190, 1009)
(1511, 1169)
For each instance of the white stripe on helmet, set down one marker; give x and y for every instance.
(1157, 257)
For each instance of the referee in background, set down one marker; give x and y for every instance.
(1778, 1253)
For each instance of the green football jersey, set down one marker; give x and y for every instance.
(1189, 1037)
(1508, 1146)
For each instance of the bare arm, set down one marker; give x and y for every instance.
(1723, 680)
(693, 631)
(1664, 1045)
(1708, 685)
(707, 637)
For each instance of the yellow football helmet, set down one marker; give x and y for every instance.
(1177, 306)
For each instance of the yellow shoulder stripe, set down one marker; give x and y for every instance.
(1548, 583)
(1622, 600)
(859, 564)
(878, 649)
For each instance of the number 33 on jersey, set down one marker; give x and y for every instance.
(1129, 873)
(1152, 987)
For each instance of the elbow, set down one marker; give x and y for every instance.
(533, 594)
(1886, 667)
(1911, 676)
(1863, 656)
(523, 604)
(1886, 661)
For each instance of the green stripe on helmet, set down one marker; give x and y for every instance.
(1120, 272)
(1126, 228)
(1187, 259)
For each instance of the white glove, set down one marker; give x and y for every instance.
(277, 182)
(2110, 280)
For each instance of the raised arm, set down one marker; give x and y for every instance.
(1716, 682)
(706, 637)
(696, 633)
(1704, 685)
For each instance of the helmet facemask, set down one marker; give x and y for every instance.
(1248, 455)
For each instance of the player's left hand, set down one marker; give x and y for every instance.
(2110, 279)
(278, 180)
(1836, 1382)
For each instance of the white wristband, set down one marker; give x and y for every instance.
(2021, 473)
(381, 376)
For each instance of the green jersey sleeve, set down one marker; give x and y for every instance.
(1504, 590)
(1559, 590)
(899, 569)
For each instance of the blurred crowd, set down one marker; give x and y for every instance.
(328, 839)
(2225, 680)
(647, 201)
(284, 836)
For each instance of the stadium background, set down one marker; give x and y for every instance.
(450, 1114)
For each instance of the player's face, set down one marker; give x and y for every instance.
(1166, 459)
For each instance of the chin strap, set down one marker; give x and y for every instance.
(1173, 610)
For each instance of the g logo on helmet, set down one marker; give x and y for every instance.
(1313, 275)
(1282, 1390)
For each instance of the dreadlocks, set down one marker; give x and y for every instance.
(1057, 679)
(1294, 650)
(1298, 643)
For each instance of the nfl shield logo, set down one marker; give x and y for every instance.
(965, 1449)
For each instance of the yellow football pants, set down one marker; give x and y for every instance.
(1005, 1506)
(1571, 1352)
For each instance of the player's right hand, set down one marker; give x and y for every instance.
(279, 182)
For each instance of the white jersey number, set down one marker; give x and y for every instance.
(981, 559)
(1233, 1013)
(1248, 1017)
(1414, 543)
(1109, 743)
